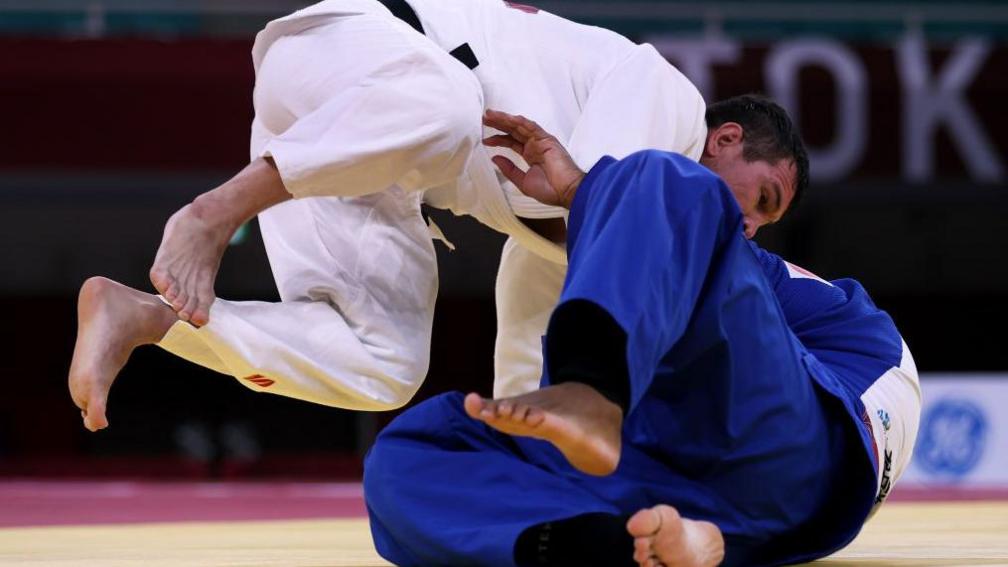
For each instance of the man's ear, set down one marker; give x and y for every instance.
(724, 137)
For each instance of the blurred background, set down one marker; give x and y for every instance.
(113, 114)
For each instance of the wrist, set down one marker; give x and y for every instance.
(567, 195)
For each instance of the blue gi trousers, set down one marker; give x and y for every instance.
(725, 422)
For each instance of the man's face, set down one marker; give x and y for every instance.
(763, 190)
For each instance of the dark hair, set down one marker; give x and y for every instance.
(767, 134)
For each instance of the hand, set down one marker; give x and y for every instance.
(552, 177)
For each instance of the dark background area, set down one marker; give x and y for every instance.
(115, 117)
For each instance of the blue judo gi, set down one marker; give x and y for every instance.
(744, 388)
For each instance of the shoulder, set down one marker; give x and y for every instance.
(799, 292)
(671, 163)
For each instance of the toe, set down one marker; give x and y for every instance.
(159, 280)
(670, 544)
(505, 409)
(473, 404)
(94, 416)
(189, 309)
(644, 523)
(642, 549)
(169, 289)
(489, 410)
(533, 416)
(201, 315)
(179, 302)
(521, 413)
(667, 515)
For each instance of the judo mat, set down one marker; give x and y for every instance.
(324, 525)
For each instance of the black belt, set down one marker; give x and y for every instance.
(406, 13)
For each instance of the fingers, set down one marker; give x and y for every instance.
(504, 122)
(520, 128)
(513, 173)
(504, 141)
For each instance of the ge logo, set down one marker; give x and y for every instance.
(952, 438)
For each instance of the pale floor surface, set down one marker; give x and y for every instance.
(903, 534)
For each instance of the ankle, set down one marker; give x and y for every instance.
(158, 319)
(602, 400)
(213, 209)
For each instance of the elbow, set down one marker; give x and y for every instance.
(456, 131)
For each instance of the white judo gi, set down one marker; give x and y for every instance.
(366, 118)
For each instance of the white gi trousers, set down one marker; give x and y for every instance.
(364, 118)
(357, 274)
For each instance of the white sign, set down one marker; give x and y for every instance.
(963, 436)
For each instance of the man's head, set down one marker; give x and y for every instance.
(754, 147)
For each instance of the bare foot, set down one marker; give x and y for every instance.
(195, 237)
(112, 320)
(186, 264)
(663, 538)
(579, 421)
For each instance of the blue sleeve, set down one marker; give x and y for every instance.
(641, 237)
(803, 300)
(837, 322)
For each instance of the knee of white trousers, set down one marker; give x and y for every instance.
(361, 376)
(409, 380)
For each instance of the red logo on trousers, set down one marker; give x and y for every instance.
(260, 380)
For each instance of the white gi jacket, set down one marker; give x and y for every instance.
(365, 117)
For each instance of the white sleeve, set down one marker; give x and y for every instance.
(396, 112)
(643, 102)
